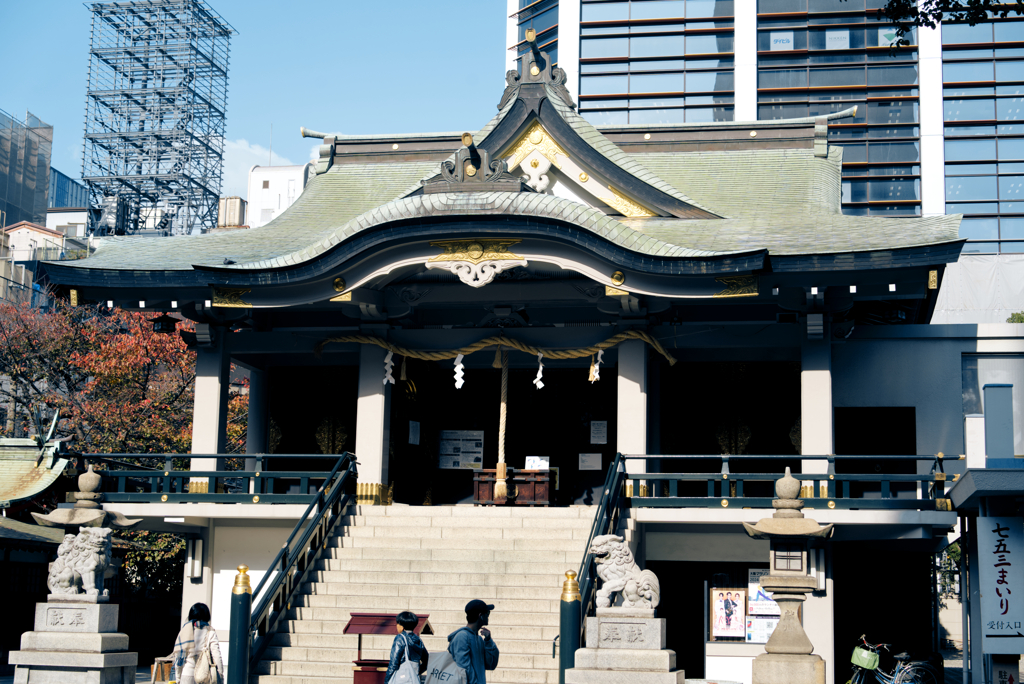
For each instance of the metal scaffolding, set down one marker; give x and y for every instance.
(155, 114)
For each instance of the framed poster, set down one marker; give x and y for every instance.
(759, 601)
(728, 613)
(538, 462)
(461, 449)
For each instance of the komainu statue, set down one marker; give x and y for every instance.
(81, 563)
(619, 574)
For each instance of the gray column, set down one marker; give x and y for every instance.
(373, 424)
(631, 414)
(210, 412)
(816, 405)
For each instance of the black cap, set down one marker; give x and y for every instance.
(475, 607)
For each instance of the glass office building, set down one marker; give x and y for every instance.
(646, 62)
(24, 168)
(65, 192)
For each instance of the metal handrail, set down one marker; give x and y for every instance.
(605, 519)
(294, 561)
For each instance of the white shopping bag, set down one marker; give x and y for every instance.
(441, 669)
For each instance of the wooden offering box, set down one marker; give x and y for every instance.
(533, 488)
(372, 670)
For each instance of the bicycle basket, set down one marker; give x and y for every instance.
(864, 658)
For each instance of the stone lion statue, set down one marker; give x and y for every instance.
(619, 573)
(81, 562)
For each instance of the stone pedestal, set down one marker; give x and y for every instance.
(74, 643)
(625, 645)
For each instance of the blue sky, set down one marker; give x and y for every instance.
(349, 66)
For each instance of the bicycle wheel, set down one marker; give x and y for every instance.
(857, 677)
(918, 673)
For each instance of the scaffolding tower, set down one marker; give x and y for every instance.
(155, 114)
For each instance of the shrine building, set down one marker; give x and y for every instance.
(519, 305)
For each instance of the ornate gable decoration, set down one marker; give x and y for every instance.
(536, 69)
(473, 171)
(476, 262)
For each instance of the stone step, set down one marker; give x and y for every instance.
(519, 566)
(455, 617)
(552, 578)
(574, 546)
(383, 642)
(419, 532)
(549, 590)
(467, 555)
(420, 604)
(504, 523)
(470, 511)
(342, 674)
(340, 656)
(532, 632)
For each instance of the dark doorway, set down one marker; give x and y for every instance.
(734, 407)
(553, 421)
(877, 431)
(884, 592)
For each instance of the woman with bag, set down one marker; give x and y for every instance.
(408, 654)
(197, 650)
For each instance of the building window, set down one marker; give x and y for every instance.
(266, 184)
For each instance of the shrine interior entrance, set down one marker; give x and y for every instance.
(554, 422)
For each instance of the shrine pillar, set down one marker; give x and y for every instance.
(631, 416)
(210, 411)
(373, 426)
(816, 408)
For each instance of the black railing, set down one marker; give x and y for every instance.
(606, 519)
(274, 594)
(127, 483)
(842, 490)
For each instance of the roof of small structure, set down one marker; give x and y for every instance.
(23, 474)
(699, 203)
(15, 530)
(32, 226)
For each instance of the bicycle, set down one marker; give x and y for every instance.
(865, 664)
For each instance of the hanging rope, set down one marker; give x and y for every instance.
(500, 489)
(500, 340)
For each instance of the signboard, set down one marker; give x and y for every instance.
(538, 462)
(759, 629)
(760, 602)
(886, 37)
(781, 40)
(1001, 578)
(728, 613)
(590, 461)
(837, 39)
(461, 449)
(1005, 670)
(599, 432)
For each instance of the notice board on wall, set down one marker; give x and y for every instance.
(461, 449)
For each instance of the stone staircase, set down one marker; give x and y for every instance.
(434, 560)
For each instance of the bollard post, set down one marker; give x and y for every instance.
(241, 610)
(569, 625)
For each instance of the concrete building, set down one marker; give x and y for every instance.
(32, 242)
(929, 119)
(669, 315)
(272, 189)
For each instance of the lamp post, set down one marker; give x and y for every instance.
(241, 612)
(788, 657)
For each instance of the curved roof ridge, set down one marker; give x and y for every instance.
(491, 204)
(614, 153)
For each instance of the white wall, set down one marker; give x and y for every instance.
(70, 223)
(24, 242)
(284, 185)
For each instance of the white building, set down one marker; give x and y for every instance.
(72, 222)
(272, 189)
(30, 242)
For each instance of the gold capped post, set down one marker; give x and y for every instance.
(570, 588)
(531, 35)
(242, 585)
(467, 139)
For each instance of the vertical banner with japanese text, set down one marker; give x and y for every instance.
(1001, 577)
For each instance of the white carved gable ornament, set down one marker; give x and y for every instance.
(476, 262)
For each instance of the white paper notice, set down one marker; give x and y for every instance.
(461, 449)
(759, 601)
(414, 432)
(1001, 576)
(538, 462)
(759, 629)
(590, 461)
(599, 432)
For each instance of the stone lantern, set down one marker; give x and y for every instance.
(788, 657)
